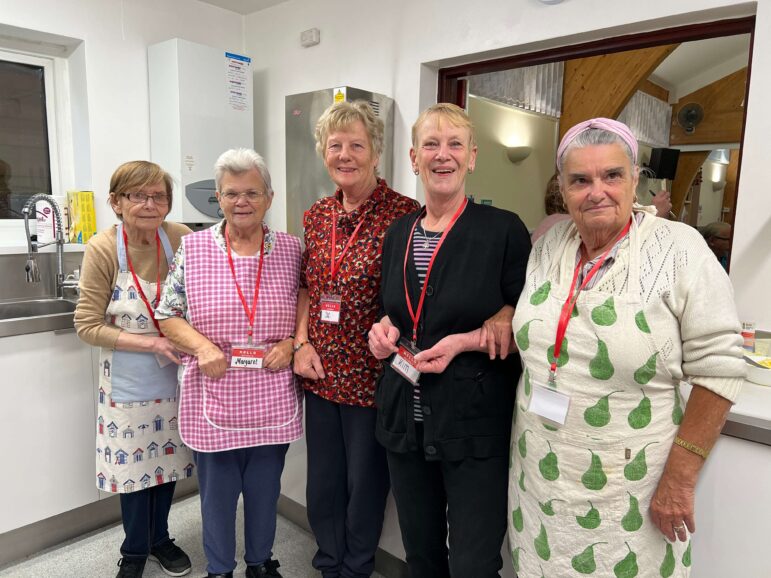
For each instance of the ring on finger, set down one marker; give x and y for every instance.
(679, 528)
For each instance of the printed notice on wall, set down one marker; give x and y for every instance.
(238, 69)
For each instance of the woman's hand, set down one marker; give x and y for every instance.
(164, 347)
(436, 359)
(663, 203)
(382, 338)
(307, 363)
(496, 334)
(672, 507)
(279, 356)
(211, 361)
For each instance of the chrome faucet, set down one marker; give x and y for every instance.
(31, 268)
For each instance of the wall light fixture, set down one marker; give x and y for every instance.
(518, 154)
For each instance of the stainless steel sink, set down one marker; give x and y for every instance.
(35, 316)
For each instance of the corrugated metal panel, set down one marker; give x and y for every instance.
(533, 88)
(649, 118)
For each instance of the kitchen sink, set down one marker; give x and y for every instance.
(35, 316)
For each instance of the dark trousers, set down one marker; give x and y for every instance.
(145, 515)
(253, 472)
(347, 486)
(468, 495)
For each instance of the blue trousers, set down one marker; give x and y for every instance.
(347, 486)
(145, 515)
(223, 476)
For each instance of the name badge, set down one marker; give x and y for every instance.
(549, 404)
(403, 362)
(247, 356)
(330, 308)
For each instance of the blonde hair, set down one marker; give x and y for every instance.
(341, 115)
(454, 114)
(135, 175)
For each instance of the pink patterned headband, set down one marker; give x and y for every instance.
(607, 124)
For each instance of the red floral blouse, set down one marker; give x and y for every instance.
(350, 368)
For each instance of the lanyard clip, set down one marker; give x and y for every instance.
(552, 381)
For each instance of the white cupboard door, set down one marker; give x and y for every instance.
(47, 427)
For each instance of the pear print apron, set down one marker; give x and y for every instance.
(137, 437)
(579, 493)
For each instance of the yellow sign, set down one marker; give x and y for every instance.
(339, 94)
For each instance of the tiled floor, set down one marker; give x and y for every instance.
(96, 555)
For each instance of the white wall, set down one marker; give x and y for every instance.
(395, 48)
(116, 34)
(516, 187)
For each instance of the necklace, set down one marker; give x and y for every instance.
(426, 238)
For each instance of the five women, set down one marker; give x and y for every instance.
(608, 323)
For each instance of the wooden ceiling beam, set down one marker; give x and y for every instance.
(602, 85)
(654, 90)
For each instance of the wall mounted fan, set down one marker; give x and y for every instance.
(690, 116)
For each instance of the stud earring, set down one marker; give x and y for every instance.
(416, 171)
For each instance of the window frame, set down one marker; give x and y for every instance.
(57, 100)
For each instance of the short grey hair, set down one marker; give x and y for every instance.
(238, 161)
(716, 229)
(593, 137)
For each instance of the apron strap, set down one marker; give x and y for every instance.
(166, 246)
(122, 260)
(165, 243)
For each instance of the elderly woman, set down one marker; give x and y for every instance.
(619, 307)
(347, 470)
(231, 306)
(138, 452)
(718, 238)
(444, 405)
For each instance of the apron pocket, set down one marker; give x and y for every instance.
(583, 482)
(251, 399)
(136, 376)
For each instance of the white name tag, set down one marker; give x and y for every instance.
(404, 362)
(247, 356)
(549, 403)
(330, 306)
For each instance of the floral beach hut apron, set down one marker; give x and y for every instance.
(137, 437)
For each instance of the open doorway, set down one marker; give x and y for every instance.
(683, 91)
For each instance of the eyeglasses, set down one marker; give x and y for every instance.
(140, 198)
(251, 196)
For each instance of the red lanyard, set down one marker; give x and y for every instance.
(138, 285)
(415, 314)
(570, 303)
(334, 265)
(250, 313)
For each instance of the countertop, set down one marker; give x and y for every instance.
(22, 249)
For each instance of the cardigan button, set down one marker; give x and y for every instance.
(426, 409)
(431, 450)
(429, 290)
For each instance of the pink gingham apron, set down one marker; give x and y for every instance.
(246, 407)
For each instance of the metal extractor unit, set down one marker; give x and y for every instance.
(307, 179)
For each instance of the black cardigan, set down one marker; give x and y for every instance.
(467, 409)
